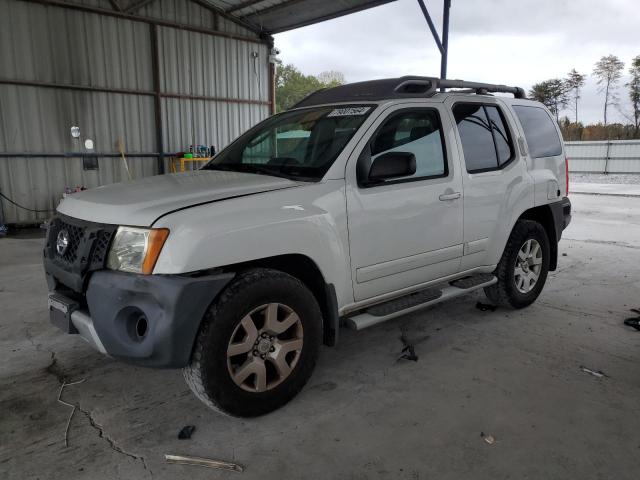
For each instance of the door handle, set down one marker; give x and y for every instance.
(450, 196)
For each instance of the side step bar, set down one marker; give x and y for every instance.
(418, 300)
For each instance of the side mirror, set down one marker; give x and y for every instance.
(392, 165)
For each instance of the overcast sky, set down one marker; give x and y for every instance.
(517, 42)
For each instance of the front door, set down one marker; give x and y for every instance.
(405, 231)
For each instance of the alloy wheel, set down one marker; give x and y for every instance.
(265, 347)
(528, 266)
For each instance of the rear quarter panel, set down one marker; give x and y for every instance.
(548, 173)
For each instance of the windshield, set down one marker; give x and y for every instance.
(300, 144)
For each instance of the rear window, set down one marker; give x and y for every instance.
(539, 130)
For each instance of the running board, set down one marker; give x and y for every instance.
(418, 300)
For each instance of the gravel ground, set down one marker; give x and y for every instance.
(619, 178)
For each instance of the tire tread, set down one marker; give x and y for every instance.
(499, 293)
(194, 373)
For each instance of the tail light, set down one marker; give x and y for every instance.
(566, 173)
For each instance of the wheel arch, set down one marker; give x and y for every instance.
(544, 216)
(307, 271)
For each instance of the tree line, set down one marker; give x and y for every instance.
(292, 85)
(559, 94)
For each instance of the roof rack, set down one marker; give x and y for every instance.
(482, 88)
(403, 87)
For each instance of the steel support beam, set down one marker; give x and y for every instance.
(68, 86)
(126, 91)
(116, 6)
(138, 5)
(445, 39)
(443, 45)
(157, 99)
(74, 155)
(432, 27)
(218, 11)
(243, 5)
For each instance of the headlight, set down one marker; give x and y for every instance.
(136, 249)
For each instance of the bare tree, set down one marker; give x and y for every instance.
(634, 92)
(575, 82)
(608, 71)
(331, 78)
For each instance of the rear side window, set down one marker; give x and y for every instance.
(485, 138)
(539, 130)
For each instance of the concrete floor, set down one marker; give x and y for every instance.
(514, 375)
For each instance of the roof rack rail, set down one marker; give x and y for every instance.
(429, 86)
(480, 88)
(403, 87)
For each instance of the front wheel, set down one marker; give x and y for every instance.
(257, 344)
(522, 271)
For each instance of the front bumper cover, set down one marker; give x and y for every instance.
(172, 307)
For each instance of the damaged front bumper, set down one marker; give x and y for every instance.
(148, 320)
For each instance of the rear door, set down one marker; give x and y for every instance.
(406, 231)
(494, 177)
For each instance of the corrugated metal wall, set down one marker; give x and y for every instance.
(615, 156)
(211, 89)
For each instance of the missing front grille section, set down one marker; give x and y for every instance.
(101, 249)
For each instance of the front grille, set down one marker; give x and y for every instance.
(101, 249)
(75, 235)
(87, 246)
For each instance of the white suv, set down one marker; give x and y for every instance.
(362, 203)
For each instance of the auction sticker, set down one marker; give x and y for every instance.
(349, 111)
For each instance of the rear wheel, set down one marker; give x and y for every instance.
(257, 344)
(522, 271)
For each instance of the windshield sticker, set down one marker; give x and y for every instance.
(349, 111)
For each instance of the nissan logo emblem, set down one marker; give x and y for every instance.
(62, 242)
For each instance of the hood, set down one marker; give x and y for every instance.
(141, 202)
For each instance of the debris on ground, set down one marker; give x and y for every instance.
(186, 432)
(408, 348)
(408, 353)
(595, 373)
(485, 307)
(203, 462)
(73, 408)
(634, 321)
(488, 438)
(564, 254)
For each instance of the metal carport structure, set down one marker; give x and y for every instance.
(151, 74)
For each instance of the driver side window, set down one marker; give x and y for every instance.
(413, 131)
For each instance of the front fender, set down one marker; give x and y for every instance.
(309, 220)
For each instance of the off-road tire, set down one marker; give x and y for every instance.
(505, 293)
(207, 374)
